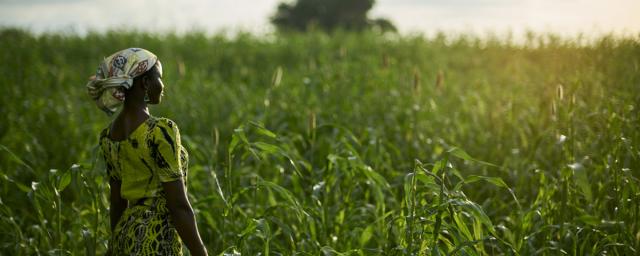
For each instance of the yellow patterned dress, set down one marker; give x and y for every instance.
(152, 154)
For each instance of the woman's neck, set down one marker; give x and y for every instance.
(133, 109)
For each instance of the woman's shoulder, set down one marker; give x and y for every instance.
(162, 124)
(163, 130)
(103, 135)
(162, 121)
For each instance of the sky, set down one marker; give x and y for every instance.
(564, 17)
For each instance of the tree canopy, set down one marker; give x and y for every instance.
(328, 15)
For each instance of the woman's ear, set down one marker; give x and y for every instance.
(145, 82)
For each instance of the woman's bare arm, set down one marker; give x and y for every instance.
(183, 217)
(118, 204)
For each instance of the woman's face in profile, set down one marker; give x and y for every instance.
(155, 85)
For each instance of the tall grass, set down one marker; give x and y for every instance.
(342, 144)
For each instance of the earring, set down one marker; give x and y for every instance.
(146, 96)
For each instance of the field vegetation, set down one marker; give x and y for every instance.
(341, 144)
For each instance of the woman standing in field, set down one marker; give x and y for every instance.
(145, 161)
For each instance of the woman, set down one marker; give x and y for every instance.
(145, 161)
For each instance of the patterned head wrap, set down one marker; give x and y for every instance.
(116, 73)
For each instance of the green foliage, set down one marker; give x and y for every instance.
(341, 144)
(328, 15)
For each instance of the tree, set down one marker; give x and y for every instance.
(327, 15)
